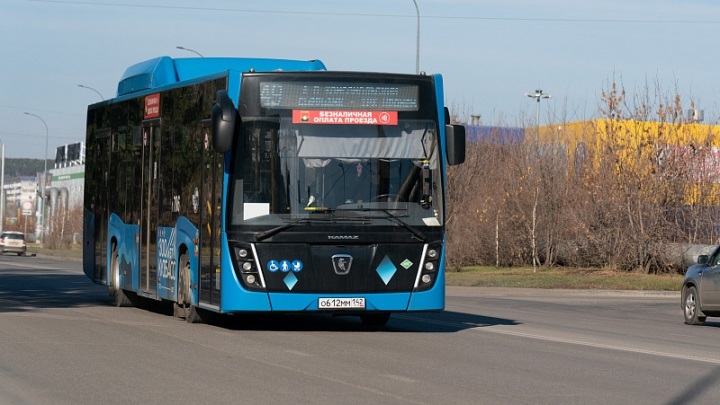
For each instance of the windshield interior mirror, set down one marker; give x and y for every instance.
(224, 118)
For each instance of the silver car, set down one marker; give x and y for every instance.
(701, 289)
(13, 242)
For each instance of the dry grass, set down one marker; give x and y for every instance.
(562, 278)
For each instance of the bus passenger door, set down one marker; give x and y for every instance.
(149, 209)
(212, 184)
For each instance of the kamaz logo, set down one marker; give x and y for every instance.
(343, 237)
(341, 264)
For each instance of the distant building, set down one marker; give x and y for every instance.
(68, 176)
(503, 135)
(65, 188)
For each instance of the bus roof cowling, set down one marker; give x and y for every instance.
(164, 70)
(147, 75)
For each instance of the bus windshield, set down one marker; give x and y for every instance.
(347, 149)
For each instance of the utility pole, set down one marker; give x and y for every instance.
(189, 50)
(417, 40)
(44, 180)
(537, 95)
(2, 188)
(90, 88)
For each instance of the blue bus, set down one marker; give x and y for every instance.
(233, 185)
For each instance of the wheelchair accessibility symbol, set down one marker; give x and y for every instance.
(273, 266)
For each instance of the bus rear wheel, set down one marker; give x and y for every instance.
(184, 308)
(120, 296)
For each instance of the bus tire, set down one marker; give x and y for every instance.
(120, 296)
(184, 308)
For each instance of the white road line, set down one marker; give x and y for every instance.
(42, 267)
(501, 330)
(495, 329)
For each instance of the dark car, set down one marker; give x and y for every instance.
(701, 289)
(13, 242)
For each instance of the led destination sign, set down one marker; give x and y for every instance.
(339, 96)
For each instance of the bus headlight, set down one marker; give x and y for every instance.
(247, 269)
(429, 268)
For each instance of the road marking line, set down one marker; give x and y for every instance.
(499, 329)
(599, 345)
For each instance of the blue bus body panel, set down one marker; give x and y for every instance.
(169, 241)
(185, 234)
(191, 68)
(237, 299)
(163, 71)
(434, 298)
(126, 236)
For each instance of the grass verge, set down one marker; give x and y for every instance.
(523, 277)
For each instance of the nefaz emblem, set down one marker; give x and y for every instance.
(341, 264)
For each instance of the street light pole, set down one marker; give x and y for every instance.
(417, 40)
(44, 185)
(194, 51)
(90, 88)
(2, 188)
(537, 95)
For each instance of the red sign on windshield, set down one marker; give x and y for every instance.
(152, 106)
(345, 117)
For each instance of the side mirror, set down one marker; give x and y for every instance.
(702, 259)
(224, 120)
(455, 144)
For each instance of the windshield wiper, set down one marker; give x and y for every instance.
(274, 231)
(390, 217)
(393, 218)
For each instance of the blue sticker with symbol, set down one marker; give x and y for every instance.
(273, 266)
(285, 266)
(297, 266)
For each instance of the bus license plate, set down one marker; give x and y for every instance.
(341, 303)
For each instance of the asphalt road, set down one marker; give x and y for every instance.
(61, 342)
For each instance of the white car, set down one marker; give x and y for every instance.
(13, 242)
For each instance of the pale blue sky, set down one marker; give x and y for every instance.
(490, 52)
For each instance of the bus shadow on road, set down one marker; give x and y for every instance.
(21, 291)
(406, 322)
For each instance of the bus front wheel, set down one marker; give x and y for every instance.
(183, 308)
(120, 296)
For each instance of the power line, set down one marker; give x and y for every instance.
(330, 13)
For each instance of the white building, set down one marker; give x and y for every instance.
(66, 188)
